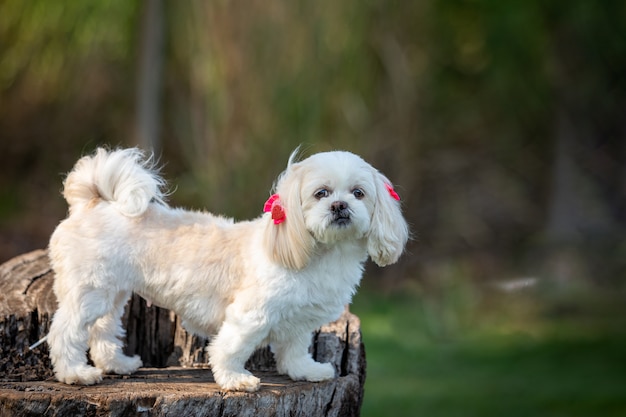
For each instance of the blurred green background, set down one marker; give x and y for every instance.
(502, 124)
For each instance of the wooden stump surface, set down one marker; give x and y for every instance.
(176, 380)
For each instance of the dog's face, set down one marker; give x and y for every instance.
(338, 196)
(331, 197)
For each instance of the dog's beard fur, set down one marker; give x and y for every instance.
(244, 284)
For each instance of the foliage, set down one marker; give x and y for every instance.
(460, 102)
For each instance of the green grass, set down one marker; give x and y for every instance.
(468, 356)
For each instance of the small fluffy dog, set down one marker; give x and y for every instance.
(272, 280)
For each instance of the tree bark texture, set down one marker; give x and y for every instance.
(176, 380)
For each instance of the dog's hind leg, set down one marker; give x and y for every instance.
(69, 334)
(106, 341)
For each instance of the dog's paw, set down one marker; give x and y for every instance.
(309, 371)
(124, 365)
(317, 372)
(82, 375)
(233, 381)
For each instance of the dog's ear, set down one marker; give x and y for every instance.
(389, 231)
(289, 243)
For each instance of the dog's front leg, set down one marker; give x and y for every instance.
(291, 352)
(235, 342)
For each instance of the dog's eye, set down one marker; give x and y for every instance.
(319, 194)
(358, 193)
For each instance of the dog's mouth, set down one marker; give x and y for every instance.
(340, 212)
(341, 219)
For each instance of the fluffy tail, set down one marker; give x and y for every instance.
(124, 177)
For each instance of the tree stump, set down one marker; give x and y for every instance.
(176, 380)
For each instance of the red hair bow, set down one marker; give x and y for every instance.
(272, 205)
(392, 192)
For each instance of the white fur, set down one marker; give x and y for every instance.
(244, 284)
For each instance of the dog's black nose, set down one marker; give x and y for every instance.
(340, 213)
(338, 206)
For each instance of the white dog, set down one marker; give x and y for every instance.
(272, 280)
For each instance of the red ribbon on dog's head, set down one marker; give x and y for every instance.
(392, 192)
(272, 205)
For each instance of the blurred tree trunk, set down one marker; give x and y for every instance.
(581, 216)
(149, 79)
(566, 217)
